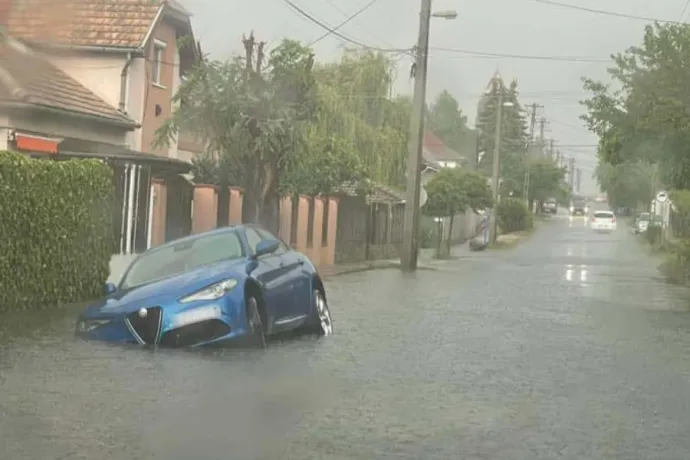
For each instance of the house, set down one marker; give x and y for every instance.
(130, 56)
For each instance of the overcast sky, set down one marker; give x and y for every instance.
(522, 28)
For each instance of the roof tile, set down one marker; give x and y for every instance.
(108, 23)
(27, 77)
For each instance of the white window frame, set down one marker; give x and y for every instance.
(158, 53)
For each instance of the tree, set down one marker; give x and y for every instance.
(628, 184)
(265, 125)
(513, 146)
(546, 179)
(646, 119)
(446, 120)
(451, 192)
(355, 106)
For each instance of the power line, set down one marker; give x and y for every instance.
(685, 10)
(521, 56)
(359, 26)
(605, 12)
(350, 18)
(332, 31)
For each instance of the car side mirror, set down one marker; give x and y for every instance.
(266, 247)
(110, 288)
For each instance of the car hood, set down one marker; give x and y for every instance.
(126, 301)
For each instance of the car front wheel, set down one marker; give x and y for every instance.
(320, 322)
(256, 335)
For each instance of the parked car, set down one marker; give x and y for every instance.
(550, 206)
(604, 221)
(642, 222)
(237, 282)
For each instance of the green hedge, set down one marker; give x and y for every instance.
(56, 230)
(513, 215)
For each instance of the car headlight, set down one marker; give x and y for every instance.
(88, 325)
(586, 209)
(213, 292)
(572, 208)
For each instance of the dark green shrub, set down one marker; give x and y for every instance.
(653, 234)
(676, 266)
(56, 230)
(513, 215)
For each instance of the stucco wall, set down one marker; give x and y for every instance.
(98, 72)
(4, 124)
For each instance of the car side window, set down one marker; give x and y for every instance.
(266, 235)
(253, 238)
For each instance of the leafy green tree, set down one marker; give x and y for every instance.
(451, 192)
(546, 179)
(628, 184)
(355, 106)
(262, 120)
(645, 120)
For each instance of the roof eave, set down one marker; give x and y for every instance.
(130, 125)
(86, 48)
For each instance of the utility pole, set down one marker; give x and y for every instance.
(530, 152)
(496, 168)
(571, 172)
(410, 246)
(551, 149)
(578, 176)
(542, 122)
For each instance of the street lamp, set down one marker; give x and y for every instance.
(411, 224)
(495, 185)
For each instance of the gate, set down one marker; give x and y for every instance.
(180, 195)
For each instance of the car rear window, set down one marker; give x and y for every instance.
(603, 215)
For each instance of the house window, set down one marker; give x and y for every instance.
(158, 54)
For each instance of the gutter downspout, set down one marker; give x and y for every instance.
(123, 83)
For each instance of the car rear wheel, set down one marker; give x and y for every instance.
(255, 325)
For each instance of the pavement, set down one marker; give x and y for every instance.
(568, 346)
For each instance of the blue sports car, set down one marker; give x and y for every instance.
(237, 282)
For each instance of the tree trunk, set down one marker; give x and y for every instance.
(223, 213)
(450, 234)
(439, 240)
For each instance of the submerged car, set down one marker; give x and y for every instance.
(237, 282)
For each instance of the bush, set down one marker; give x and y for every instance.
(513, 215)
(653, 234)
(676, 266)
(57, 230)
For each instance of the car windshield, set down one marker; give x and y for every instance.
(181, 257)
(603, 215)
(644, 217)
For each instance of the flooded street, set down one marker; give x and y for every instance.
(569, 346)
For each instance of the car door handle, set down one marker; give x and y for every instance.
(300, 261)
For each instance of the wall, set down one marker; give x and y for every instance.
(52, 125)
(4, 128)
(160, 94)
(98, 72)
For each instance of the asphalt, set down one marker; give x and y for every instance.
(568, 346)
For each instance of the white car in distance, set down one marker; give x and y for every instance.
(604, 221)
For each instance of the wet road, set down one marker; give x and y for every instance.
(568, 346)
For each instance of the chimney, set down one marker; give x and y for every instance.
(5, 7)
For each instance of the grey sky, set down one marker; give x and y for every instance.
(517, 27)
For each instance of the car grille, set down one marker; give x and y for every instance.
(147, 329)
(192, 334)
